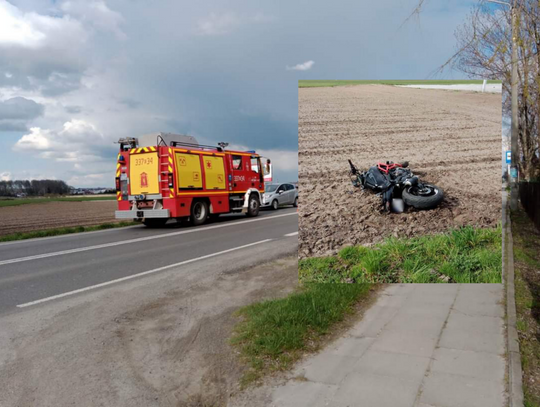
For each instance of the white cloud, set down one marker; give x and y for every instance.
(15, 29)
(284, 160)
(219, 24)
(32, 30)
(301, 67)
(78, 140)
(97, 14)
(5, 176)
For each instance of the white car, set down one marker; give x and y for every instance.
(276, 195)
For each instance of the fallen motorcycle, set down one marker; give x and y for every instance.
(395, 182)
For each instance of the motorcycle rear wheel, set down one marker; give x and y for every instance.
(427, 197)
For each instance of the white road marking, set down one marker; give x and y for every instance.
(144, 273)
(291, 234)
(140, 239)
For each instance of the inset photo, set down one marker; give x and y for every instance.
(400, 181)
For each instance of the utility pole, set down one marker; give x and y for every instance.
(514, 103)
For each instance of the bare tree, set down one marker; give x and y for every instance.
(484, 44)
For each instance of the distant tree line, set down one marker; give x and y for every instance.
(33, 188)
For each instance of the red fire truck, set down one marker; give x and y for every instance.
(163, 176)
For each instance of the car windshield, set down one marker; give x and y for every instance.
(270, 188)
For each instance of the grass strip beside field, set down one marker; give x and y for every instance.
(527, 295)
(64, 231)
(26, 201)
(274, 334)
(331, 83)
(465, 255)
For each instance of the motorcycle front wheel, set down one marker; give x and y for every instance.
(423, 196)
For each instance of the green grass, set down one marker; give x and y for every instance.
(331, 83)
(273, 334)
(64, 231)
(527, 295)
(27, 201)
(465, 255)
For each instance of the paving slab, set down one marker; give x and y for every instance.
(417, 346)
(410, 343)
(328, 368)
(303, 394)
(474, 333)
(481, 365)
(398, 365)
(447, 390)
(366, 390)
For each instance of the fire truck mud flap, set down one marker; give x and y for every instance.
(138, 214)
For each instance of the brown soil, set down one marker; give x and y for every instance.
(49, 215)
(451, 139)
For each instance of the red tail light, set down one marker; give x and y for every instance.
(117, 184)
(170, 180)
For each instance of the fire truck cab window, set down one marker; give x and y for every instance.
(237, 162)
(255, 164)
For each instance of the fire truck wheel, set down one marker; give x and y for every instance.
(275, 204)
(253, 205)
(199, 212)
(155, 222)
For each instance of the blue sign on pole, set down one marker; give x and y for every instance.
(508, 157)
(513, 172)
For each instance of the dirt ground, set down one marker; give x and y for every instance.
(450, 138)
(135, 345)
(49, 215)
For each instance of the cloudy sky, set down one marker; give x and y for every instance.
(77, 75)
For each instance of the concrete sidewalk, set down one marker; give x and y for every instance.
(420, 345)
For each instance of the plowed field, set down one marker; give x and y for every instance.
(450, 138)
(27, 218)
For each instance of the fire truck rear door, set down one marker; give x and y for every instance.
(143, 173)
(214, 171)
(188, 170)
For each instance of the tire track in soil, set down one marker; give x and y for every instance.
(452, 139)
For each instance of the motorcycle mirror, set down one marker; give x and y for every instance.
(405, 164)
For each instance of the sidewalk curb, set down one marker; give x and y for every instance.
(515, 384)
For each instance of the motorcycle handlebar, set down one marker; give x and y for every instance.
(354, 171)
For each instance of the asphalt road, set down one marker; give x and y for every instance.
(40, 271)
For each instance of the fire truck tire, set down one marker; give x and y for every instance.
(199, 212)
(253, 206)
(155, 222)
(275, 204)
(295, 204)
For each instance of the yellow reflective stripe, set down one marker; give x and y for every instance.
(145, 149)
(170, 159)
(132, 151)
(171, 194)
(117, 165)
(118, 173)
(119, 195)
(152, 149)
(170, 169)
(170, 151)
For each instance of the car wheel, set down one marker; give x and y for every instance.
(275, 204)
(295, 204)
